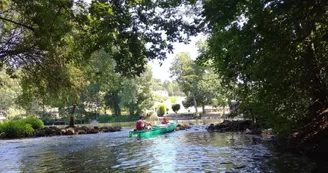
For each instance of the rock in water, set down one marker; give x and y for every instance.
(70, 131)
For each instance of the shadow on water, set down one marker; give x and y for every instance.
(194, 150)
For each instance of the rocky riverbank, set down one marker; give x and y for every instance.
(311, 139)
(55, 131)
(245, 126)
(182, 127)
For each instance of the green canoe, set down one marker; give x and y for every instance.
(156, 130)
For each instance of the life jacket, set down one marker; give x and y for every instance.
(140, 125)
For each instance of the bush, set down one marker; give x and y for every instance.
(15, 129)
(173, 99)
(188, 102)
(161, 110)
(36, 123)
(1, 129)
(176, 107)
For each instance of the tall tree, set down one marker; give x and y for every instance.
(103, 81)
(275, 52)
(209, 87)
(136, 93)
(9, 91)
(52, 40)
(187, 74)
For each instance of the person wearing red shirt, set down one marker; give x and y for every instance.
(141, 123)
(164, 121)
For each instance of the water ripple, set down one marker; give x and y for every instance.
(194, 150)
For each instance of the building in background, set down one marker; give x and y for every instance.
(2, 116)
(162, 93)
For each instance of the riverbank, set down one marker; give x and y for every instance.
(245, 126)
(78, 130)
(311, 140)
(55, 131)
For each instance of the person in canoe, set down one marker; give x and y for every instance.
(142, 124)
(164, 121)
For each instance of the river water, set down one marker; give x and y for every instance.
(193, 150)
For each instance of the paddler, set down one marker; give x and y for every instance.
(142, 124)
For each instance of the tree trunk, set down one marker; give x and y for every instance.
(131, 109)
(116, 104)
(71, 118)
(117, 110)
(195, 103)
(203, 107)
(43, 106)
(253, 116)
(112, 103)
(223, 110)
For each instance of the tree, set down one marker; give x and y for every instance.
(275, 52)
(51, 41)
(39, 38)
(173, 88)
(138, 23)
(113, 100)
(197, 81)
(104, 82)
(209, 87)
(187, 74)
(9, 91)
(136, 93)
(188, 102)
(33, 33)
(157, 85)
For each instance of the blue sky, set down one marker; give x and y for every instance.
(162, 72)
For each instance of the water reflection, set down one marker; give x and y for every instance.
(194, 150)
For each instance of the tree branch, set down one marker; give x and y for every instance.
(20, 24)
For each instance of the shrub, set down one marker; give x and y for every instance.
(176, 107)
(161, 110)
(173, 99)
(15, 129)
(36, 123)
(188, 102)
(1, 129)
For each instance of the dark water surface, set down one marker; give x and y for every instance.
(194, 150)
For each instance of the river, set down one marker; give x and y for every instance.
(193, 150)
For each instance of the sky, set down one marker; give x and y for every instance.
(162, 72)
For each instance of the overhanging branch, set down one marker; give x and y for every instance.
(16, 23)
